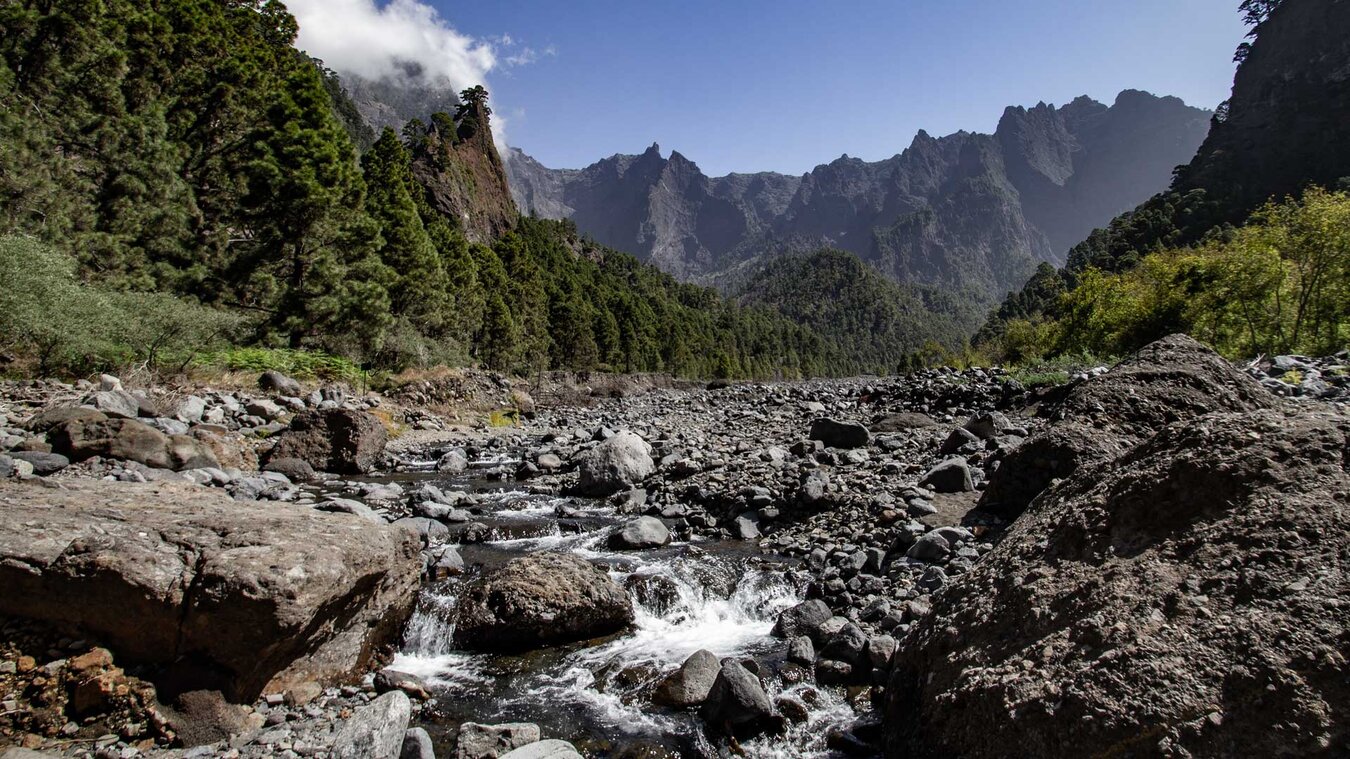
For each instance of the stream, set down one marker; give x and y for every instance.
(723, 596)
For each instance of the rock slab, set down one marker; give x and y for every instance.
(265, 595)
(1183, 597)
(336, 440)
(540, 600)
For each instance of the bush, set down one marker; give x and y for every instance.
(1280, 284)
(301, 364)
(50, 318)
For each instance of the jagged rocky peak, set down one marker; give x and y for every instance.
(964, 210)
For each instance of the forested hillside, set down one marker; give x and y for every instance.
(880, 327)
(1239, 249)
(185, 148)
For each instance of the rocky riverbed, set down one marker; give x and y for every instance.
(639, 570)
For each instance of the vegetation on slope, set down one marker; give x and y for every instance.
(1164, 266)
(878, 325)
(184, 153)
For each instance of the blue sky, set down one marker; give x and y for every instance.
(784, 85)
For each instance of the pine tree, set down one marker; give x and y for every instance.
(419, 290)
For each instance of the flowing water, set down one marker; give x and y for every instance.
(714, 595)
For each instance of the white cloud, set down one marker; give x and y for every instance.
(405, 37)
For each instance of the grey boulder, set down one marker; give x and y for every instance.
(837, 434)
(690, 684)
(540, 600)
(376, 730)
(643, 532)
(618, 463)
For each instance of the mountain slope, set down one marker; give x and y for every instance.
(876, 323)
(1286, 126)
(965, 211)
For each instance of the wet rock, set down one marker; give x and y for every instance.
(267, 595)
(279, 384)
(414, 687)
(792, 709)
(691, 683)
(453, 462)
(738, 705)
(803, 619)
(333, 440)
(620, 462)
(446, 562)
(656, 593)
(491, 741)
(549, 749)
(417, 745)
(643, 532)
(376, 730)
(540, 600)
(837, 434)
(834, 672)
(801, 651)
(951, 476)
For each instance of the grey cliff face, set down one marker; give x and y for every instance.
(967, 211)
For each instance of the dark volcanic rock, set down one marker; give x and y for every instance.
(83, 437)
(540, 600)
(803, 619)
(1170, 380)
(738, 705)
(263, 596)
(333, 440)
(1188, 597)
(836, 434)
(691, 683)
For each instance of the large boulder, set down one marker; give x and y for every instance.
(837, 434)
(1171, 380)
(691, 683)
(549, 749)
(643, 532)
(262, 596)
(333, 440)
(540, 600)
(272, 381)
(738, 705)
(619, 463)
(491, 741)
(376, 730)
(85, 436)
(803, 619)
(1190, 597)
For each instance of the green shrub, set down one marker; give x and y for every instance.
(49, 317)
(301, 364)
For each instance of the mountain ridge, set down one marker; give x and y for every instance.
(1043, 180)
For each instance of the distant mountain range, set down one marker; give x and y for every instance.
(971, 213)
